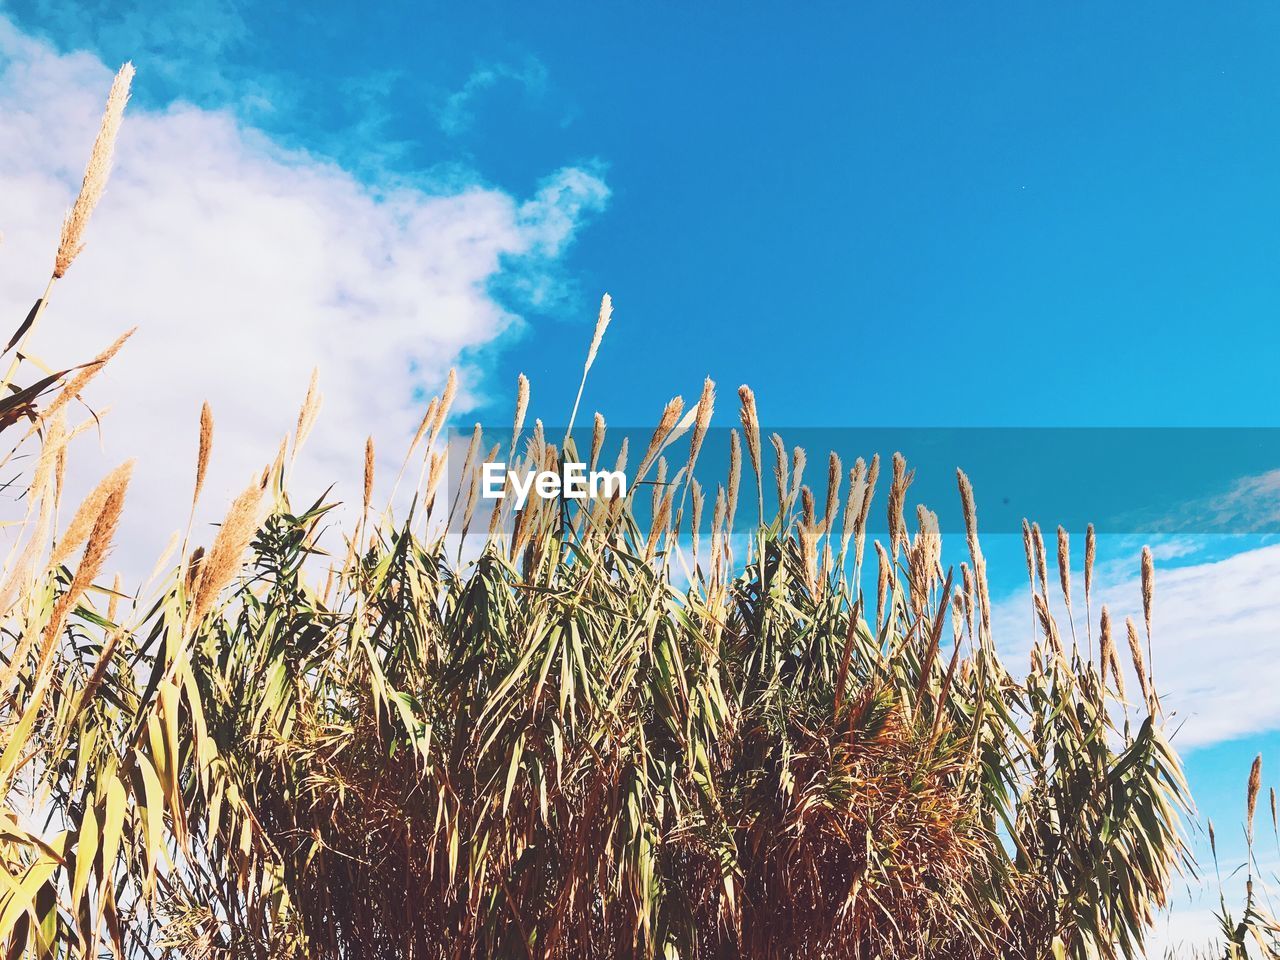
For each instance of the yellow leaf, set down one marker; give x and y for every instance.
(87, 843)
(112, 823)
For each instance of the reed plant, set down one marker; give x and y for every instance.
(580, 739)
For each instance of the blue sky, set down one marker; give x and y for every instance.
(1042, 216)
(876, 215)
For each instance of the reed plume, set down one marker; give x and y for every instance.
(868, 494)
(1139, 662)
(602, 324)
(95, 174)
(522, 408)
(706, 403)
(203, 450)
(751, 431)
(897, 504)
(969, 510)
(44, 475)
(117, 588)
(1090, 553)
(1148, 598)
(834, 475)
(1042, 568)
(443, 407)
(1107, 653)
(735, 476)
(798, 460)
(666, 423)
(220, 564)
(1148, 586)
(1064, 566)
(808, 511)
(87, 514)
(368, 473)
(853, 503)
(717, 533)
(1028, 547)
(780, 469)
(967, 595)
(309, 411)
(597, 439)
(884, 571)
(95, 552)
(82, 378)
(1255, 784)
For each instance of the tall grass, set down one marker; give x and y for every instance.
(563, 746)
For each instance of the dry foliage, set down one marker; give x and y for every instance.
(564, 747)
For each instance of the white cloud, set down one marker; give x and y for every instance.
(1185, 930)
(244, 265)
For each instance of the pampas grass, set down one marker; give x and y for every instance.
(565, 745)
(89, 511)
(490, 726)
(751, 430)
(220, 565)
(95, 174)
(602, 324)
(1251, 798)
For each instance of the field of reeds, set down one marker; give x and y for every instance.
(578, 741)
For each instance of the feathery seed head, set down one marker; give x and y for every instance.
(1148, 586)
(1042, 568)
(90, 509)
(602, 324)
(204, 450)
(96, 173)
(834, 473)
(222, 561)
(1255, 784)
(1139, 661)
(780, 469)
(597, 439)
(1029, 548)
(735, 475)
(86, 373)
(368, 473)
(750, 426)
(666, 423)
(1090, 553)
(309, 411)
(1064, 565)
(522, 407)
(706, 403)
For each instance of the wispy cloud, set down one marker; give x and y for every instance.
(1250, 504)
(245, 264)
(456, 113)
